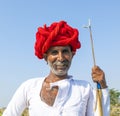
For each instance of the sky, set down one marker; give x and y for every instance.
(19, 21)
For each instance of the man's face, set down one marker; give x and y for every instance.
(59, 59)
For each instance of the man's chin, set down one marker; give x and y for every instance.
(60, 73)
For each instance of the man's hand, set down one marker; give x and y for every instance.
(98, 75)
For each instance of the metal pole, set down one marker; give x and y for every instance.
(92, 46)
(98, 106)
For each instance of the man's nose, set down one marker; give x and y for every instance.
(60, 56)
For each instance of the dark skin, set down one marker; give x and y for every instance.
(98, 75)
(54, 54)
(63, 53)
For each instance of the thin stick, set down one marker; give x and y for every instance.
(92, 46)
(99, 92)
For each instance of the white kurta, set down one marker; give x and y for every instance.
(74, 98)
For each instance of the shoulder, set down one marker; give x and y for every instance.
(81, 83)
(34, 80)
(31, 83)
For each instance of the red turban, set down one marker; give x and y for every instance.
(57, 34)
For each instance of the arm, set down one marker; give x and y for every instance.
(91, 103)
(17, 104)
(99, 77)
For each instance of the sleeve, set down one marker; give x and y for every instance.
(105, 103)
(92, 103)
(18, 102)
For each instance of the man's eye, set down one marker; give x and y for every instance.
(65, 51)
(54, 52)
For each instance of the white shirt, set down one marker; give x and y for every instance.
(74, 98)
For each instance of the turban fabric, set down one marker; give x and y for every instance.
(57, 34)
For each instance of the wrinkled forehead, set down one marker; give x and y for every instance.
(59, 48)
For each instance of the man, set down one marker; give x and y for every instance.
(58, 94)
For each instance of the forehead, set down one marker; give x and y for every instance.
(59, 48)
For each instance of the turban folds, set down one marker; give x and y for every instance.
(57, 34)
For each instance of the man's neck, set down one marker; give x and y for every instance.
(53, 78)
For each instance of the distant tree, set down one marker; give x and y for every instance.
(1, 111)
(114, 97)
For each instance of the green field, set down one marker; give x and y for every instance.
(25, 113)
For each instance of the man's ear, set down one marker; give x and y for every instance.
(73, 53)
(45, 57)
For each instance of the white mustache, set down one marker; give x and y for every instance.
(61, 63)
